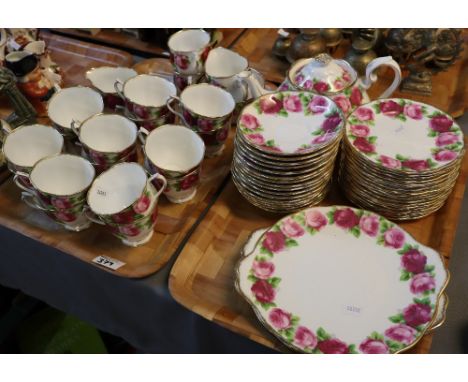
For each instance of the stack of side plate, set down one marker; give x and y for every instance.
(285, 149)
(401, 158)
(370, 286)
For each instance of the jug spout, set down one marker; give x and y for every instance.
(253, 84)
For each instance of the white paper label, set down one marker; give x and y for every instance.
(108, 262)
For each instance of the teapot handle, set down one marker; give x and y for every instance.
(371, 77)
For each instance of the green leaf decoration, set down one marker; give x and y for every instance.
(291, 243)
(429, 268)
(270, 143)
(401, 157)
(252, 278)
(322, 335)
(311, 230)
(331, 218)
(402, 102)
(432, 133)
(407, 247)
(431, 163)
(352, 349)
(283, 113)
(317, 132)
(376, 108)
(315, 351)
(300, 218)
(267, 305)
(394, 346)
(372, 139)
(425, 301)
(355, 231)
(376, 336)
(420, 328)
(380, 240)
(294, 320)
(396, 319)
(384, 226)
(274, 281)
(405, 275)
(265, 251)
(257, 107)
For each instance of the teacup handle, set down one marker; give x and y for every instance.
(119, 90)
(172, 110)
(90, 216)
(31, 201)
(17, 182)
(162, 179)
(142, 134)
(371, 77)
(6, 128)
(75, 126)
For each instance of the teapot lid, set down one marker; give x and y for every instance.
(322, 74)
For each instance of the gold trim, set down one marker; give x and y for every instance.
(189, 51)
(260, 317)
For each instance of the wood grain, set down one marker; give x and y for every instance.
(449, 89)
(202, 278)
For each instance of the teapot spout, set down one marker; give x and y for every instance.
(252, 83)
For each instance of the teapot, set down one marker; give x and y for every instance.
(338, 80)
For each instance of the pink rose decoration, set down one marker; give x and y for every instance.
(274, 241)
(394, 238)
(330, 124)
(123, 217)
(338, 84)
(270, 105)
(263, 269)
(142, 204)
(308, 85)
(318, 104)
(65, 216)
(346, 76)
(61, 204)
(249, 121)
(417, 314)
(305, 338)
(346, 218)
(263, 291)
(321, 87)
(414, 261)
(390, 162)
(360, 130)
(181, 61)
(445, 139)
(391, 108)
(129, 230)
(291, 228)
(363, 145)
(370, 225)
(421, 283)
(445, 155)
(189, 181)
(413, 111)
(343, 103)
(315, 219)
(370, 346)
(205, 125)
(279, 318)
(364, 114)
(222, 134)
(415, 164)
(256, 139)
(333, 346)
(441, 123)
(284, 86)
(97, 158)
(322, 138)
(292, 103)
(356, 96)
(401, 333)
(299, 79)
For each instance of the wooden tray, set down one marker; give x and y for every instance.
(449, 90)
(202, 278)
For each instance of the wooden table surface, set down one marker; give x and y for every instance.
(449, 89)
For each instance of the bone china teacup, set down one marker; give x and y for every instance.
(103, 79)
(177, 153)
(124, 194)
(206, 109)
(59, 187)
(189, 49)
(145, 97)
(73, 104)
(107, 139)
(26, 145)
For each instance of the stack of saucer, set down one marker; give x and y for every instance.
(285, 150)
(401, 158)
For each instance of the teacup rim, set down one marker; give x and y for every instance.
(188, 51)
(211, 86)
(172, 85)
(96, 68)
(247, 66)
(108, 114)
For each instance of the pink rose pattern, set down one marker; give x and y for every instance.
(292, 103)
(343, 103)
(249, 121)
(447, 140)
(409, 324)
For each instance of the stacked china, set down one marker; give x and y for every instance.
(177, 153)
(189, 49)
(145, 98)
(285, 149)
(401, 158)
(125, 201)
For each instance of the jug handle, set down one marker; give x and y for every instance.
(371, 77)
